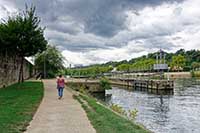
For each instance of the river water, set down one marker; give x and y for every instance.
(169, 112)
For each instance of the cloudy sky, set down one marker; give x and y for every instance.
(97, 31)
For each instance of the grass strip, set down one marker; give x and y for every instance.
(18, 104)
(106, 121)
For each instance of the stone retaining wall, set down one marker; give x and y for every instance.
(10, 67)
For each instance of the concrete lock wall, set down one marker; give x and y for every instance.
(177, 75)
(10, 68)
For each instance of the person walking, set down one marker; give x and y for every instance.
(60, 86)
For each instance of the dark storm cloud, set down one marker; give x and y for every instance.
(101, 17)
(70, 28)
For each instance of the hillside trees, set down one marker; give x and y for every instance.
(124, 67)
(91, 71)
(195, 65)
(178, 62)
(140, 65)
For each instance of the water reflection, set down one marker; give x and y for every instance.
(175, 111)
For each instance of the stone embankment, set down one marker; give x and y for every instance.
(10, 67)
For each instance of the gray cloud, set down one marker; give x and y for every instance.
(75, 43)
(3, 8)
(84, 26)
(65, 27)
(101, 17)
(159, 43)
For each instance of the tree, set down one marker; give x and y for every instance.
(23, 36)
(105, 84)
(195, 65)
(50, 61)
(124, 67)
(180, 52)
(178, 62)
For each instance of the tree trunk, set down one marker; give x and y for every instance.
(21, 72)
(22, 78)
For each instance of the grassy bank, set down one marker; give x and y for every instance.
(104, 120)
(18, 104)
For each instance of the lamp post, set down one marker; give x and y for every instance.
(70, 65)
(44, 65)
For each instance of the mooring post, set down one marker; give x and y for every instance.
(157, 85)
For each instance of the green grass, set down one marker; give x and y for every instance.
(104, 120)
(18, 104)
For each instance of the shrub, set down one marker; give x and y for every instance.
(195, 74)
(105, 84)
(131, 114)
(118, 109)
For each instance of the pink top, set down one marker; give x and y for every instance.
(61, 82)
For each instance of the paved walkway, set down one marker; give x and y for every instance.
(59, 116)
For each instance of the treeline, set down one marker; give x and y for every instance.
(91, 71)
(141, 65)
(179, 61)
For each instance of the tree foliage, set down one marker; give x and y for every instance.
(22, 34)
(195, 65)
(124, 67)
(105, 84)
(140, 65)
(178, 62)
(51, 59)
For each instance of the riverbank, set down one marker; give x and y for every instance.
(106, 121)
(18, 104)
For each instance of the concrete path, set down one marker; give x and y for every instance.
(59, 116)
